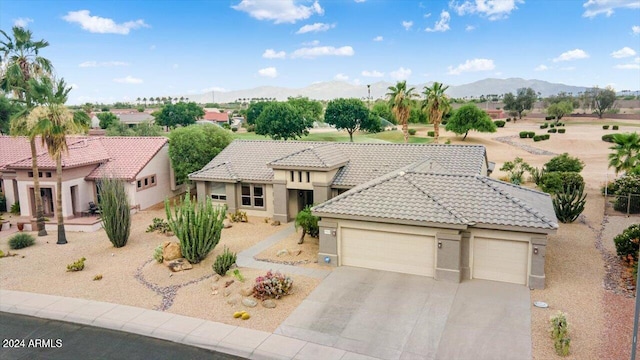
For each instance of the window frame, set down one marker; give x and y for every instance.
(251, 196)
(220, 196)
(146, 182)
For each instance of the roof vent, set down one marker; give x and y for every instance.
(401, 173)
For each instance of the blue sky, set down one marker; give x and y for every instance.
(121, 50)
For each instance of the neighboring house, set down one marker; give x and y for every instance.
(216, 116)
(135, 118)
(420, 209)
(142, 162)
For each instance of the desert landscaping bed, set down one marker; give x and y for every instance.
(130, 276)
(288, 251)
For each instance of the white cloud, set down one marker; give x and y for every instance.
(97, 24)
(427, 15)
(541, 67)
(373, 73)
(128, 80)
(268, 72)
(633, 66)
(278, 11)
(623, 53)
(317, 27)
(311, 43)
(469, 28)
(492, 9)
(596, 7)
(313, 52)
(574, 54)
(341, 77)
(635, 29)
(87, 64)
(359, 1)
(442, 24)
(407, 24)
(272, 54)
(401, 73)
(472, 66)
(378, 38)
(214, 88)
(356, 82)
(568, 68)
(22, 22)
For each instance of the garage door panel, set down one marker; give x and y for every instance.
(500, 260)
(405, 253)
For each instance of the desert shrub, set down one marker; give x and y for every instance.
(516, 169)
(234, 129)
(412, 131)
(308, 222)
(615, 127)
(159, 225)
(251, 128)
(560, 333)
(499, 123)
(605, 127)
(552, 126)
(555, 182)
(552, 131)
(21, 241)
(559, 124)
(238, 275)
(607, 138)
(77, 266)
(115, 211)
(537, 174)
(431, 133)
(544, 126)
(564, 163)
(15, 208)
(238, 216)
(546, 137)
(157, 253)
(562, 131)
(537, 138)
(197, 225)
(523, 134)
(272, 285)
(548, 118)
(224, 262)
(569, 203)
(3, 202)
(623, 186)
(508, 119)
(531, 134)
(226, 126)
(627, 243)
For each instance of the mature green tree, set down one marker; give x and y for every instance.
(147, 128)
(626, 152)
(436, 104)
(382, 109)
(470, 117)
(106, 119)
(53, 121)
(401, 100)
(118, 128)
(282, 121)
(560, 109)
(350, 115)
(254, 110)
(523, 100)
(562, 97)
(8, 109)
(21, 61)
(602, 100)
(309, 109)
(192, 147)
(183, 114)
(417, 116)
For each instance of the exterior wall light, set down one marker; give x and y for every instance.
(535, 250)
(439, 244)
(327, 259)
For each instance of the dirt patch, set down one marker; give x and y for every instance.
(288, 251)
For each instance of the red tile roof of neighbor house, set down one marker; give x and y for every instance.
(120, 157)
(216, 116)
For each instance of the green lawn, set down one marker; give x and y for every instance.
(382, 137)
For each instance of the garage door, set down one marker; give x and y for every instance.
(500, 260)
(410, 254)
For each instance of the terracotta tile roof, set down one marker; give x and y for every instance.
(128, 155)
(216, 116)
(14, 149)
(82, 151)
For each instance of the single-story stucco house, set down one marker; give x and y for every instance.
(428, 210)
(142, 162)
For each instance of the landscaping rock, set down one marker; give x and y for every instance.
(246, 291)
(233, 300)
(171, 251)
(226, 292)
(178, 265)
(275, 223)
(214, 287)
(249, 302)
(216, 277)
(226, 284)
(282, 252)
(226, 223)
(269, 304)
(215, 292)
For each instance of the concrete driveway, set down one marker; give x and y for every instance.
(397, 316)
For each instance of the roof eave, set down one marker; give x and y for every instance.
(527, 229)
(388, 220)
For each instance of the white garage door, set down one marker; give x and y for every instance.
(500, 260)
(404, 253)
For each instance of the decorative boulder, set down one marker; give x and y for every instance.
(233, 300)
(226, 223)
(269, 304)
(178, 265)
(249, 302)
(171, 251)
(246, 291)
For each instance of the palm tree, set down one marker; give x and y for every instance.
(53, 121)
(626, 155)
(436, 103)
(20, 63)
(138, 100)
(400, 101)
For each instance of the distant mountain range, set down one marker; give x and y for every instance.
(338, 89)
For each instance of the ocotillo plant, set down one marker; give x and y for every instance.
(115, 211)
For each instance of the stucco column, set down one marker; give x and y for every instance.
(321, 192)
(201, 190)
(538, 251)
(465, 267)
(328, 248)
(9, 190)
(448, 257)
(280, 201)
(232, 198)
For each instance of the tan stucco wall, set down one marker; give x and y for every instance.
(159, 166)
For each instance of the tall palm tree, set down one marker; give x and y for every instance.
(145, 101)
(626, 155)
(400, 101)
(435, 104)
(53, 121)
(20, 63)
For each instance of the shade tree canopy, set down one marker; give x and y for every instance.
(351, 115)
(182, 113)
(470, 117)
(282, 121)
(523, 100)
